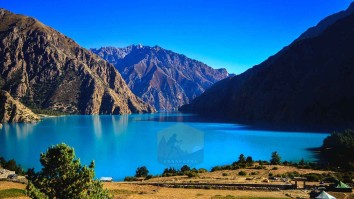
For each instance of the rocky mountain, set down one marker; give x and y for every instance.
(44, 69)
(308, 83)
(162, 78)
(12, 110)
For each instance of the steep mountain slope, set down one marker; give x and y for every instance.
(45, 69)
(325, 23)
(12, 110)
(162, 78)
(307, 83)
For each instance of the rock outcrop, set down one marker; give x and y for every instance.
(45, 69)
(12, 110)
(308, 83)
(162, 78)
(4, 173)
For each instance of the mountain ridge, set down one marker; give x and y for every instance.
(162, 78)
(45, 69)
(306, 83)
(325, 23)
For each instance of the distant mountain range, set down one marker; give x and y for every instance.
(162, 78)
(309, 82)
(44, 69)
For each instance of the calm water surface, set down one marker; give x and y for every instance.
(120, 144)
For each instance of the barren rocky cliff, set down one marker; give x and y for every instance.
(45, 69)
(160, 77)
(12, 110)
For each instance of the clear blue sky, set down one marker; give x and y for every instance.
(235, 34)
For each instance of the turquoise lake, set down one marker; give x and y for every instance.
(120, 144)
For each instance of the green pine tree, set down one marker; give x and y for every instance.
(276, 159)
(63, 176)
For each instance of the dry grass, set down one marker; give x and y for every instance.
(11, 185)
(134, 191)
(232, 176)
(139, 191)
(148, 191)
(131, 190)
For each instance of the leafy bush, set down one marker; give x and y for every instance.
(216, 168)
(330, 179)
(242, 162)
(263, 162)
(286, 163)
(275, 159)
(185, 168)
(192, 174)
(129, 178)
(141, 172)
(228, 167)
(241, 159)
(343, 176)
(171, 172)
(260, 167)
(254, 173)
(249, 161)
(202, 170)
(242, 173)
(313, 177)
(11, 165)
(292, 174)
(338, 148)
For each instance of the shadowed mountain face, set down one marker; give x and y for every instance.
(162, 78)
(45, 69)
(325, 23)
(309, 82)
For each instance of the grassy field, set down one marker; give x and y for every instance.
(12, 190)
(12, 193)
